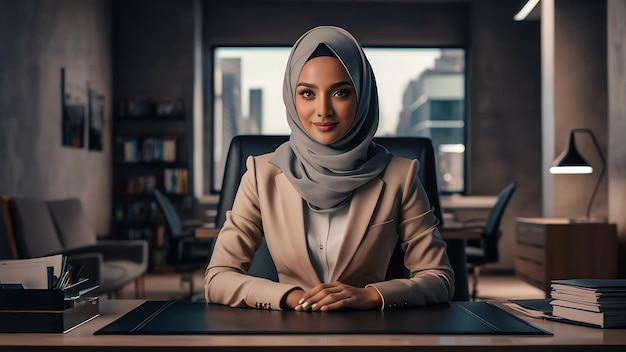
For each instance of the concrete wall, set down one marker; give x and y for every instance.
(580, 100)
(504, 113)
(37, 39)
(616, 48)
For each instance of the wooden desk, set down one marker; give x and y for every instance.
(206, 232)
(455, 233)
(566, 337)
(551, 249)
(455, 203)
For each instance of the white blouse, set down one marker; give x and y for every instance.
(324, 233)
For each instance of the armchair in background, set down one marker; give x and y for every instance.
(59, 227)
(123, 260)
(186, 252)
(485, 250)
(410, 147)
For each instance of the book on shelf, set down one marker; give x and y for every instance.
(154, 149)
(147, 149)
(598, 302)
(175, 181)
(140, 184)
(131, 150)
(169, 148)
(139, 213)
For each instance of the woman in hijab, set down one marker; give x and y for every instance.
(330, 203)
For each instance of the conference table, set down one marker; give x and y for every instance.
(565, 337)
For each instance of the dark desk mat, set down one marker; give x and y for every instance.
(178, 318)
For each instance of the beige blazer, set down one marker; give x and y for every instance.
(387, 207)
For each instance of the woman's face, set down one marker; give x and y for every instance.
(326, 101)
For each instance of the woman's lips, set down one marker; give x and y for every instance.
(325, 127)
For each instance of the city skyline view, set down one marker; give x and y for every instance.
(421, 93)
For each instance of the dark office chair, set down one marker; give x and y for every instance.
(485, 251)
(185, 252)
(411, 147)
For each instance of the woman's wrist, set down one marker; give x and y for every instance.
(374, 296)
(292, 298)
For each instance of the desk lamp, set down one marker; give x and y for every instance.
(571, 162)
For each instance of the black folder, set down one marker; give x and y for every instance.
(179, 318)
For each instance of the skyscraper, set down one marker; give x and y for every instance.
(256, 109)
(434, 107)
(227, 109)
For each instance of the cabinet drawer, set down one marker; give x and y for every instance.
(531, 234)
(531, 271)
(532, 254)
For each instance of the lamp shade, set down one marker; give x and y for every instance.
(570, 161)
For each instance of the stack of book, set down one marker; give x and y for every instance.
(597, 302)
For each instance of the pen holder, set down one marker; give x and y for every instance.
(55, 310)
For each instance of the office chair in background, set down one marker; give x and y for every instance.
(185, 252)
(485, 250)
(411, 147)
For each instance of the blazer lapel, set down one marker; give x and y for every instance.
(294, 219)
(362, 207)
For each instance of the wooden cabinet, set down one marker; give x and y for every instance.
(551, 249)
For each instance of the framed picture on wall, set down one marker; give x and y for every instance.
(73, 99)
(74, 126)
(96, 120)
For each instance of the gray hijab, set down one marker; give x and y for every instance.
(327, 175)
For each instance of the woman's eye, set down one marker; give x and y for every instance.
(342, 93)
(306, 93)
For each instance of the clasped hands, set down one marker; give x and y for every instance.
(333, 296)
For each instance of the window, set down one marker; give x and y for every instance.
(426, 97)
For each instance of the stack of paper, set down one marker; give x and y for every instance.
(35, 273)
(598, 302)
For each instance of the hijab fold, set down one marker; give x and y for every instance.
(327, 175)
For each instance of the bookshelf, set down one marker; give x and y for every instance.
(150, 141)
